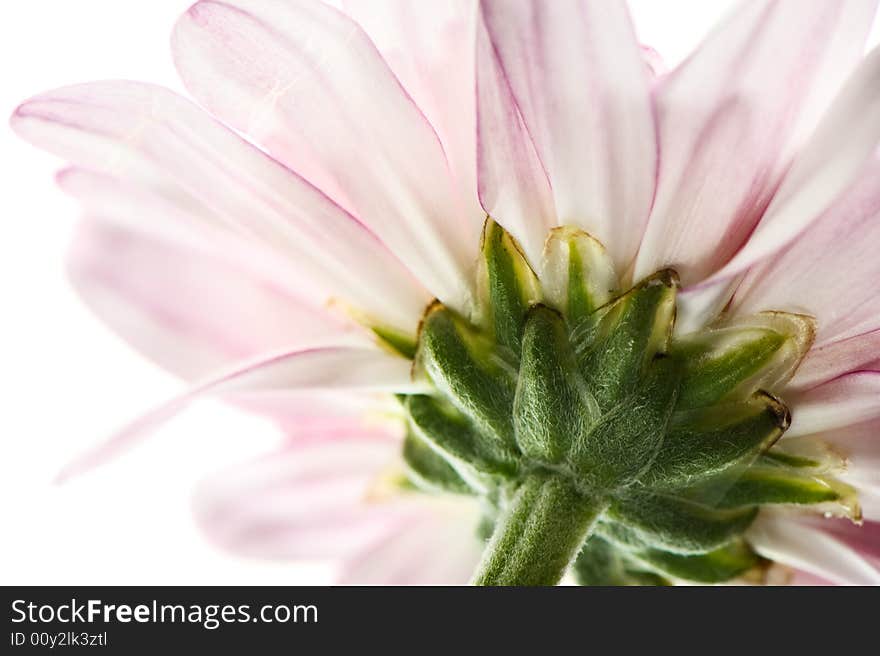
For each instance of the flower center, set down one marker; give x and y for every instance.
(595, 436)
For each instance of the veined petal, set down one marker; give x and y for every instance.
(865, 538)
(310, 500)
(573, 74)
(859, 446)
(438, 545)
(798, 544)
(306, 82)
(824, 363)
(324, 497)
(328, 368)
(165, 144)
(423, 45)
(512, 183)
(829, 271)
(728, 118)
(829, 163)
(849, 399)
(191, 310)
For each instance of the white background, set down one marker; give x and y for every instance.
(67, 381)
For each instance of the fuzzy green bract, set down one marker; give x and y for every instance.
(599, 443)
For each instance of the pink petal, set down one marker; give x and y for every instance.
(438, 546)
(422, 44)
(831, 360)
(513, 185)
(829, 163)
(865, 538)
(797, 543)
(322, 498)
(728, 118)
(859, 445)
(310, 500)
(305, 82)
(164, 145)
(830, 270)
(269, 379)
(578, 82)
(190, 310)
(849, 399)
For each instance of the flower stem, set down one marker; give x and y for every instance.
(539, 535)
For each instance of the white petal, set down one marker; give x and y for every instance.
(728, 118)
(799, 545)
(823, 363)
(305, 82)
(438, 546)
(424, 45)
(830, 271)
(165, 145)
(849, 399)
(192, 310)
(343, 368)
(578, 81)
(309, 500)
(837, 152)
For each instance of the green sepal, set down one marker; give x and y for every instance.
(633, 329)
(674, 524)
(553, 408)
(428, 470)
(578, 275)
(760, 351)
(716, 566)
(511, 286)
(705, 442)
(760, 485)
(440, 424)
(398, 341)
(470, 372)
(601, 563)
(625, 439)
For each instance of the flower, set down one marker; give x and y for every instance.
(380, 137)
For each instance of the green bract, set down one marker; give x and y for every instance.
(596, 437)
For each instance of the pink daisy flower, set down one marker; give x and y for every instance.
(507, 286)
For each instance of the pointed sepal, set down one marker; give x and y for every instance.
(733, 361)
(553, 408)
(633, 329)
(577, 273)
(675, 524)
(703, 443)
(470, 372)
(508, 285)
(430, 471)
(444, 427)
(718, 566)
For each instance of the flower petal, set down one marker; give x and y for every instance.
(306, 82)
(859, 445)
(830, 162)
(437, 546)
(843, 401)
(165, 145)
(832, 360)
(513, 185)
(829, 271)
(423, 46)
(802, 546)
(309, 500)
(273, 378)
(729, 116)
(575, 77)
(189, 310)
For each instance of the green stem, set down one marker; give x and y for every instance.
(539, 535)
